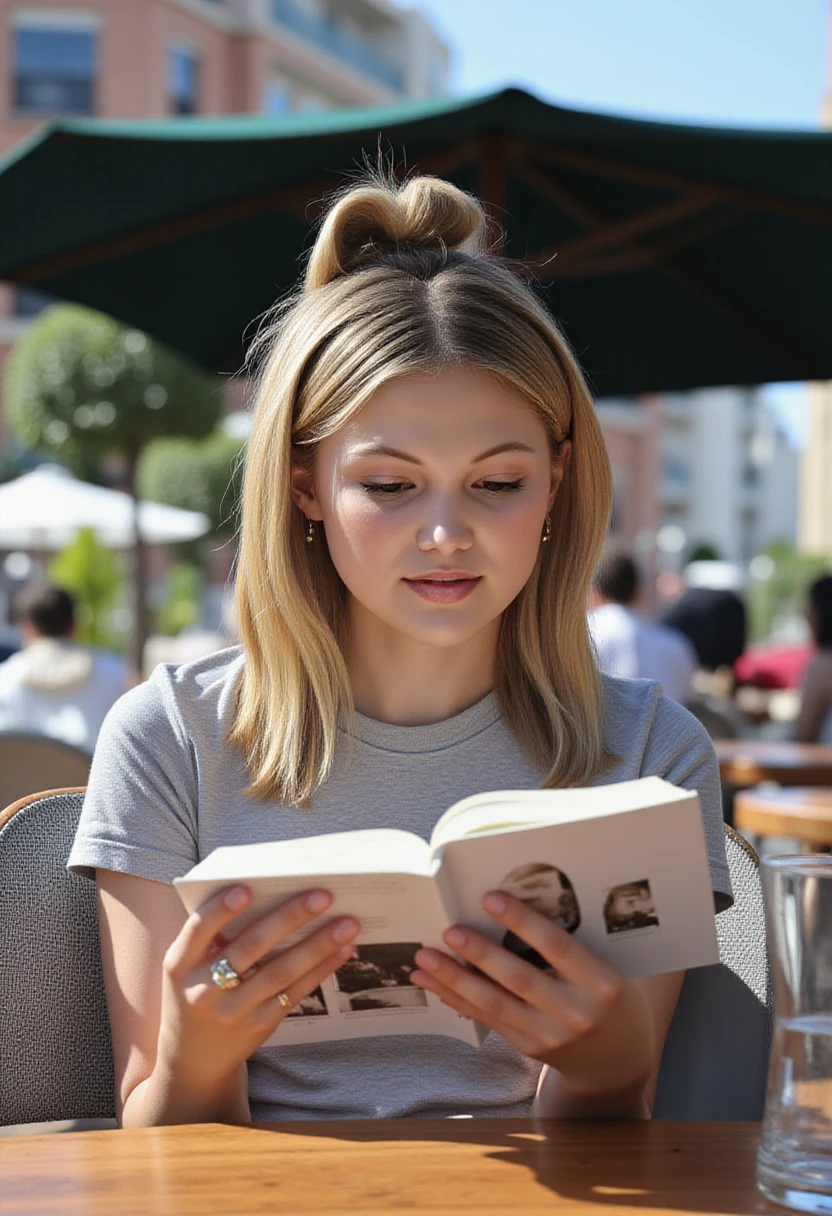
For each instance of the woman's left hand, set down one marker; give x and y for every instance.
(583, 1017)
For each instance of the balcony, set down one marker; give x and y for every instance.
(347, 47)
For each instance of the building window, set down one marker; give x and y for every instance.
(183, 66)
(30, 303)
(277, 99)
(54, 70)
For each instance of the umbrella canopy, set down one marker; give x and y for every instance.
(674, 256)
(44, 510)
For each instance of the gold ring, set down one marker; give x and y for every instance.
(284, 1000)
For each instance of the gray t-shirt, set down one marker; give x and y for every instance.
(166, 788)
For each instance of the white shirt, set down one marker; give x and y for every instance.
(57, 688)
(628, 645)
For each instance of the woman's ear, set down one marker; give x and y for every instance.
(559, 466)
(303, 491)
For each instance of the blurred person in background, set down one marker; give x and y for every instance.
(713, 620)
(626, 643)
(54, 686)
(814, 721)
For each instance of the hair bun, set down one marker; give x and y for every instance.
(424, 212)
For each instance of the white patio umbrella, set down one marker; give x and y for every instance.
(44, 510)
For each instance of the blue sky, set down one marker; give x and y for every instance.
(760, 63)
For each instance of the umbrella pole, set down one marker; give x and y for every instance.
(140, 629)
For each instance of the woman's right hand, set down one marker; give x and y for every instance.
(206, 1032)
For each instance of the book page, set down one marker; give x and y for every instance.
(370, 994)
(634, 888)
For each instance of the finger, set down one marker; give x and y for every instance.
(269, 931)
(491, 1003)
(541, 989)
(286, 969)
(523, 1043)
(561, 950)
(307, 983)
(195, 937)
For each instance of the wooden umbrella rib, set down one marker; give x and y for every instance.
(295, 199)
(622, 233)
(753, 200)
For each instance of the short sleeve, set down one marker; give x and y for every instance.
(139, 814)
(679, 749)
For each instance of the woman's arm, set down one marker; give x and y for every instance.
(139, 920)
(815, 699)
(180, 1042)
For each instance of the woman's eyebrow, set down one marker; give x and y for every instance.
(382, 449)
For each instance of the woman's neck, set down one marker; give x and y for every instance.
(401, 681)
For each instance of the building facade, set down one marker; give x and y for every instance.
(713, 464)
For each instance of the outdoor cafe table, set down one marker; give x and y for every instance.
(803, 814)
(747, 762)
(510, 1167)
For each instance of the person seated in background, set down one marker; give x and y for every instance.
(814, 721)
(626, 643)
(54, 686)
(713, 619)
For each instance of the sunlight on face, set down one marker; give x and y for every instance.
(433, 500)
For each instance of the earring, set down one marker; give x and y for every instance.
(547, 530)
(310, 532)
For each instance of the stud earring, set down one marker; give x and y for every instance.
(310, 532)
(547, 530)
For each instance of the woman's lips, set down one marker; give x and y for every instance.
(443, 590)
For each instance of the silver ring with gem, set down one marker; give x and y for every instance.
(224, 975)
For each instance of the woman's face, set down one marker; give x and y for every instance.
(433, 500)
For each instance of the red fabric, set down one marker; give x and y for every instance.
(778, 668)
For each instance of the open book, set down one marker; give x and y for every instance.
(623, 867)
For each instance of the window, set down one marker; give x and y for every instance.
(54, 70)
(30, 303)
(277, 99)
(183, 66)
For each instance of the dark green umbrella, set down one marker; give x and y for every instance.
(674, 256)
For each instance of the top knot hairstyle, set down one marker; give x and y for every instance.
(398, 282)
(414, 228)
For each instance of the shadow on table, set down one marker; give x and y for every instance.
(685, 1167)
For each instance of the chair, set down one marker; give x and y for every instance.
(715, 1062)
(55, 1053)
(29, 763)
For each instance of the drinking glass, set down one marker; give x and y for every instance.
(794, 1164)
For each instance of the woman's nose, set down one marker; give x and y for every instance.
(446, 538)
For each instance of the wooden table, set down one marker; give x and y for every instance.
(508, 1167)
(798, 814)
(747, 762)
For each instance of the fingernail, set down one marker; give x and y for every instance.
(343, 930)
(317, 901)
(428, 960)
(236, 898)
(495, 902)
(455, 937)
(346, 952)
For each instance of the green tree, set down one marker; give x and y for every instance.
(196, 474)
(95, 576)
(81, 386)
(183, 596)
(782, 592)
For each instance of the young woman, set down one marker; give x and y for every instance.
(426, 495)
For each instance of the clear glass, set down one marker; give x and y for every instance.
(794, 1165)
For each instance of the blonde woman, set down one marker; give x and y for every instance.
(426, 493)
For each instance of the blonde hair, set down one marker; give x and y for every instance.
(397, 284)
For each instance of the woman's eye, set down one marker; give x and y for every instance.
(501, 487)
(385, 488)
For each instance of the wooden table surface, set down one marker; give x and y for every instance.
(510, 1167)
(801, 814)
(747, 762)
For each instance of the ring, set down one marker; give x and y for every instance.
(224, 975)
(284, 1000)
